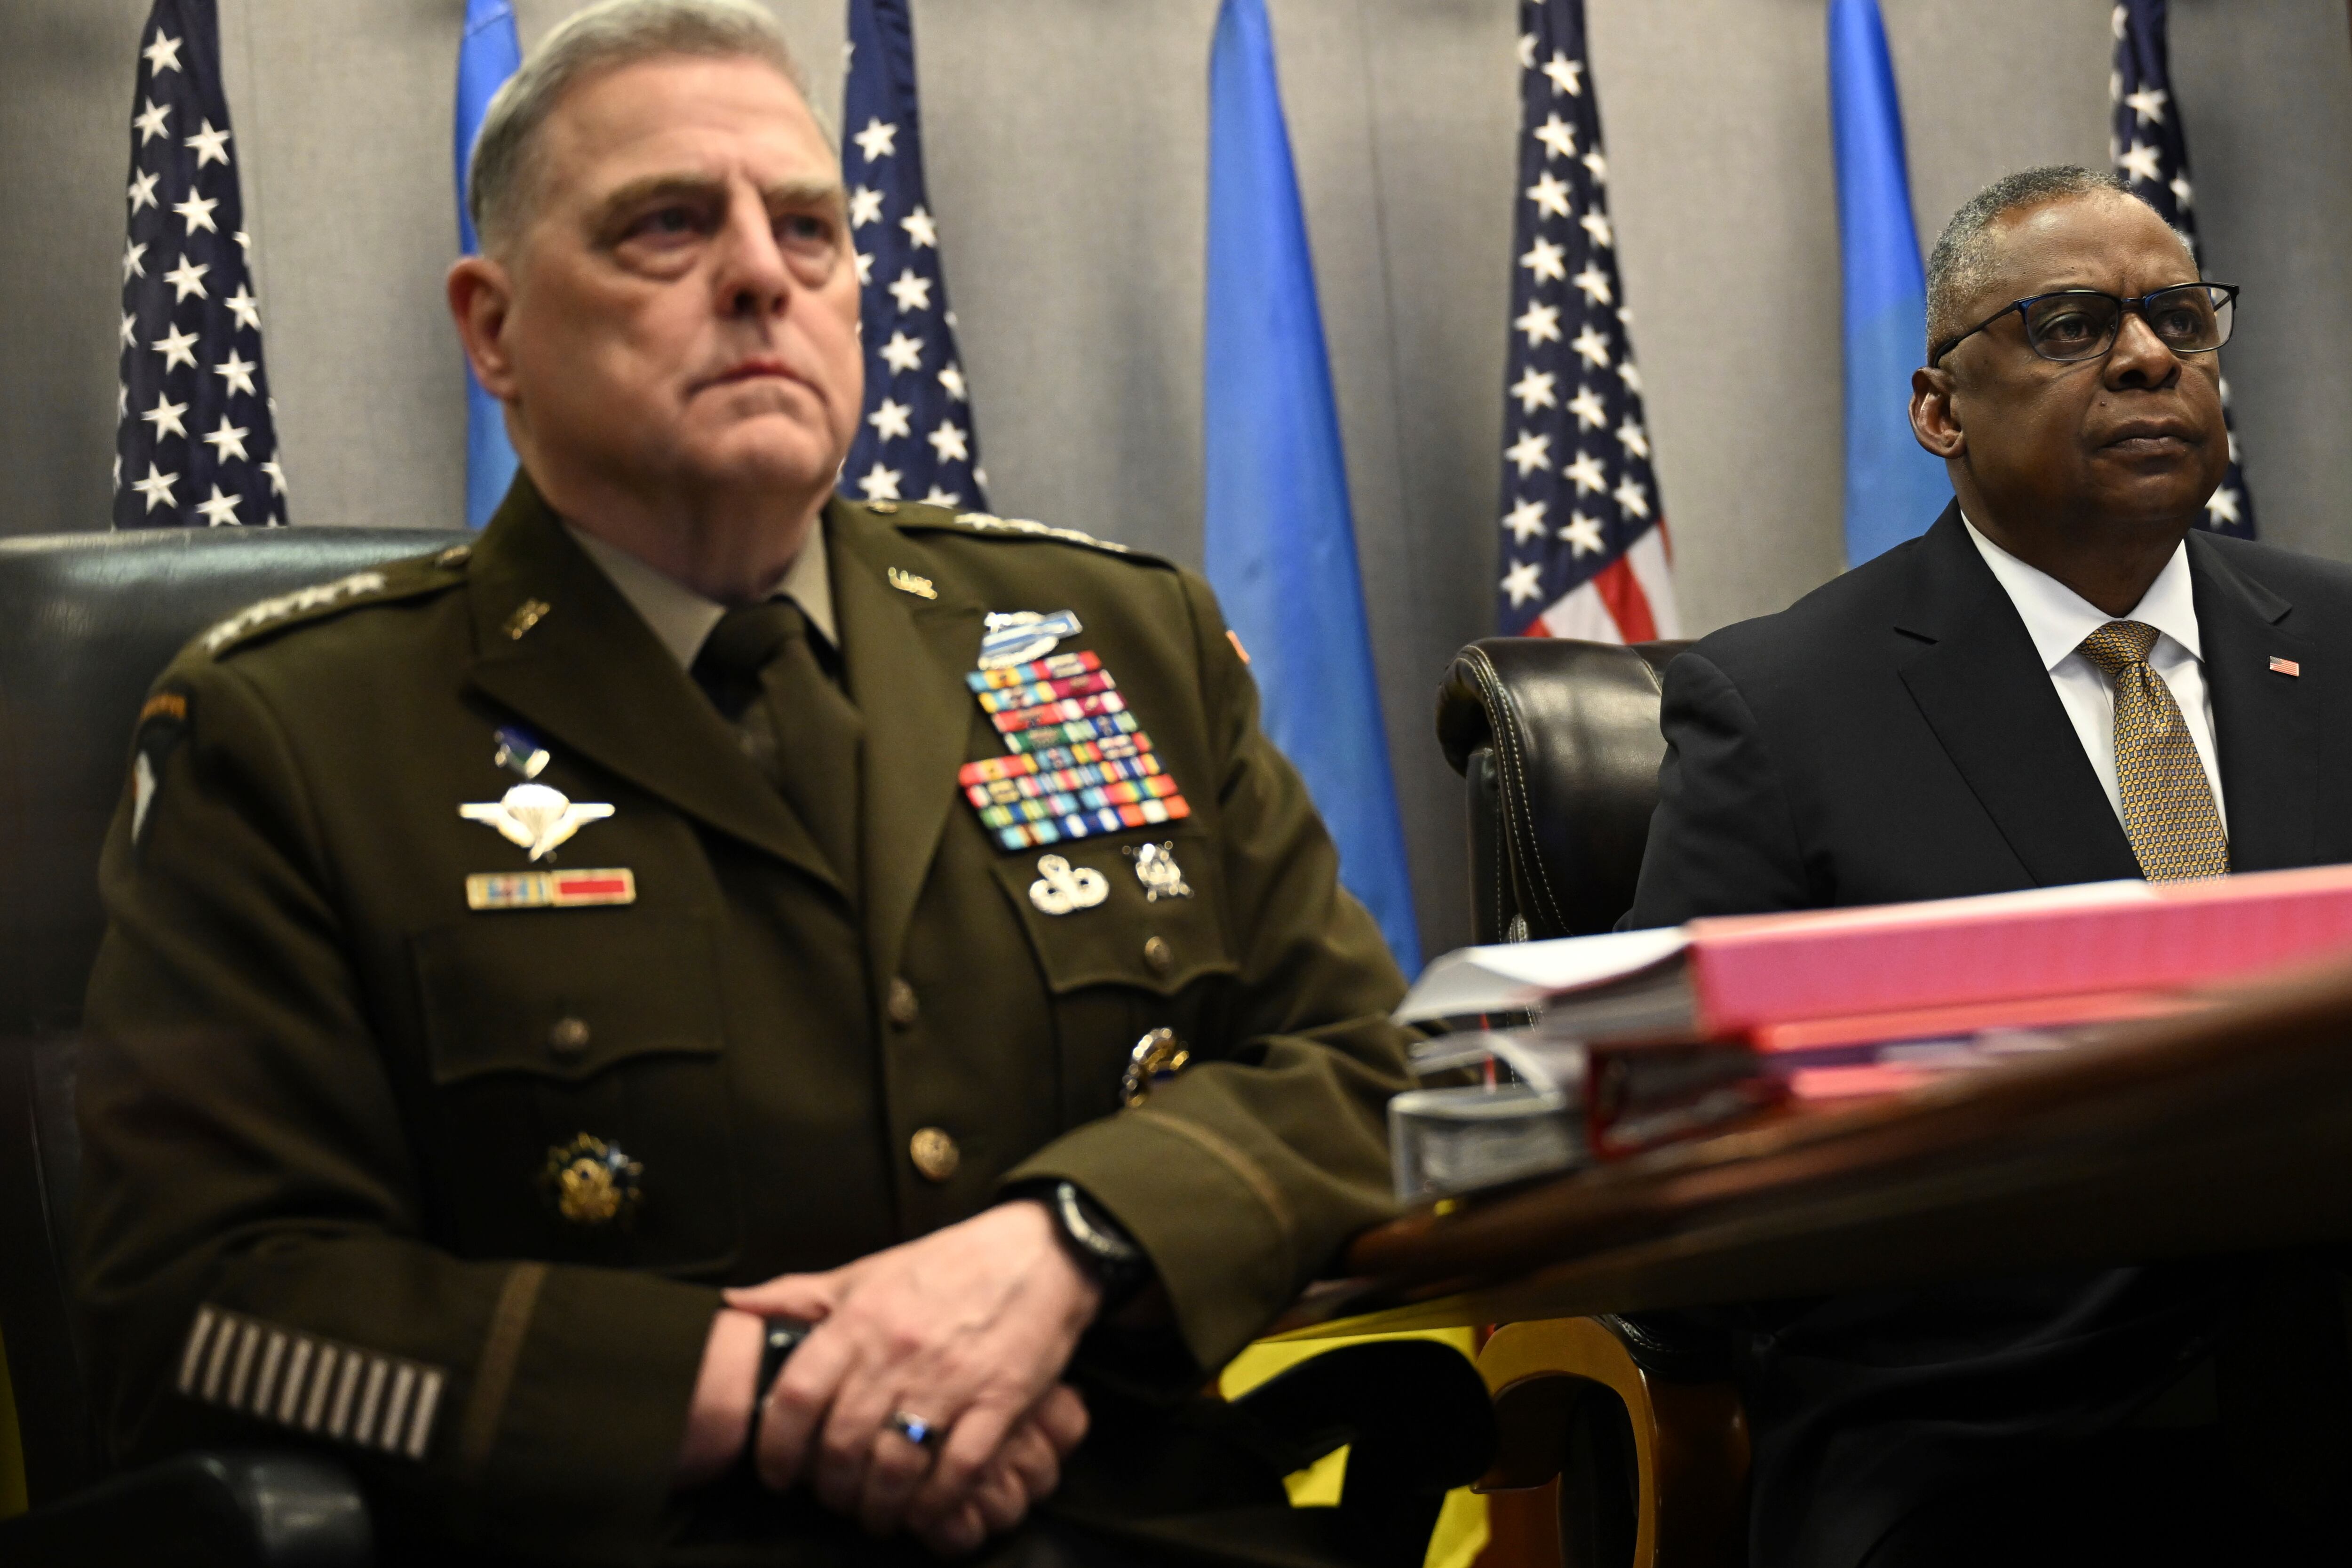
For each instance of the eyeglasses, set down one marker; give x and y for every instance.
(2082, 323)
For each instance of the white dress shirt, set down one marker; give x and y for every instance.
(682, 618)
(2058, 618)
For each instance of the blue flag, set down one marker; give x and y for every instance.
(487, 56)
(195, 443)
(1894, 488)
(917, 441)
(1280, 539)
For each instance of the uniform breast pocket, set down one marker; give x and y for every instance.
(576, 1069)
(1130, 934)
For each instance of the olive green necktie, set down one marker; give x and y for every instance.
(764, 674)
(2168, 811)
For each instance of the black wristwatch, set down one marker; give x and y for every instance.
(1101, 1246)
(779, 1337)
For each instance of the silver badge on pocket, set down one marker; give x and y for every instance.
(1156, 868)
(1061, 887)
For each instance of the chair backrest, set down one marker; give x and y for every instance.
(1559, 744)
(87, 622)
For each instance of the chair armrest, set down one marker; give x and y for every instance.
(1688, 1441)
(247, 1508)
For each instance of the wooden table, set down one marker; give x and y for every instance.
(2224, 1130)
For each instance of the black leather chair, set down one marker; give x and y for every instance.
(1559, 746)
(1559, 742)
(86, 621)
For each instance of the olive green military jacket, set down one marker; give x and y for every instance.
(327, 1104)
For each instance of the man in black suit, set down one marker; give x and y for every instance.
(2059, 682)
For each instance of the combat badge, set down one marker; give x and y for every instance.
(1061, 888)
(163, 723)
(1016, 636)
(591, 1182)
(1156, 868)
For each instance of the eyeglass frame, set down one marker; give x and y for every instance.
(2124, 305)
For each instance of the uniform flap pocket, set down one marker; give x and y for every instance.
(566, 994)
(1129, 911)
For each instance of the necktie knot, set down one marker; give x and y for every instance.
(2119, 645)
(746, 641)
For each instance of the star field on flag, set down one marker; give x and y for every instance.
(916, 439)
(2150, 146)
(1584, 542)
(196, 444)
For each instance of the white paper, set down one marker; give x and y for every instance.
(1509, 975)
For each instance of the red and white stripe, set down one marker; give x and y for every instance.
(1630, 600)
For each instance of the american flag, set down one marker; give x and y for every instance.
(916, 442)
(2150, 148)
(1584, 532)
(194, 443)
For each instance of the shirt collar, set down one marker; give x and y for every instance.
(2058, 618)
(682, 618)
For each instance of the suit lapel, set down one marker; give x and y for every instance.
(588, 675)
(2266, 724)
(906, 659)
(1985, 693)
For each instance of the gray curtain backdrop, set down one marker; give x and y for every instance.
(1067, 152)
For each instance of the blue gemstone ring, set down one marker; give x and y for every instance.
(922, 1434)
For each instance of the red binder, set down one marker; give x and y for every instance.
(1747, 973)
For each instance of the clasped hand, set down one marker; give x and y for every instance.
(970, 1329)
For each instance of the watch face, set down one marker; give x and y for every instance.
(1093, 1232)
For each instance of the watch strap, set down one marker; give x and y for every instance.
(1100, 1244)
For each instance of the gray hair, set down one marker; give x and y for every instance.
(501, 178)
(1964, 257)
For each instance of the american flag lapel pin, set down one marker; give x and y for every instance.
(2284, 666)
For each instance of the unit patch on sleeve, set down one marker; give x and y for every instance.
(163, 724)
(292, 1379)
(1080, 764)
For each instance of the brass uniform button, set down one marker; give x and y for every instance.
(884, 507)
(934, 1153)
(903, 1007)
(1157, 955)
(568, 1037)
(455, 555)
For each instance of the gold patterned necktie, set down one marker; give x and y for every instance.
(2168, 811)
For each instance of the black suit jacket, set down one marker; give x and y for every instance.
(1894, 735)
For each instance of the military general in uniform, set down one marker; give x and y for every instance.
(541, 974)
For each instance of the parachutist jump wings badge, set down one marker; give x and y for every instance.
(540, 818)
